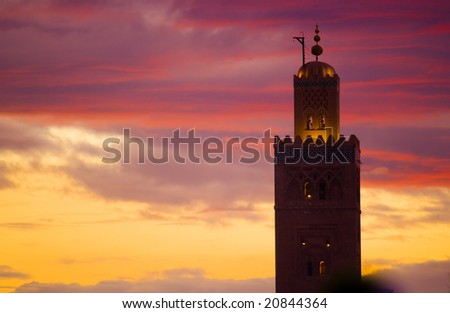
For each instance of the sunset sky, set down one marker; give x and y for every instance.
(73, 73)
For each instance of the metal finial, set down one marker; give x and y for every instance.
(317, 50)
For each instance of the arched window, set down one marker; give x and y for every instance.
(322, 268)
(322, 190)
(322, 122)
(307, 190)
(309, 123)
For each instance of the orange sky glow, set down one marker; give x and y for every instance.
(75, 73)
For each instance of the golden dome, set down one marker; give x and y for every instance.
(316, 69)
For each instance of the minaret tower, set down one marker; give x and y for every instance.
(317, 190)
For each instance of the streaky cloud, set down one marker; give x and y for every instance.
(7, 272)
(185, 280)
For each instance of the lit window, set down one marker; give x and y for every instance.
(322, 269)
(309, 123)
(307, 190)
(322, 122)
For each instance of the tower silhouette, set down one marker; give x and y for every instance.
(317, 190)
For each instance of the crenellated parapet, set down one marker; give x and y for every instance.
(315, 151)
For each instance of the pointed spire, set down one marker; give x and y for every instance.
(317, 50)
